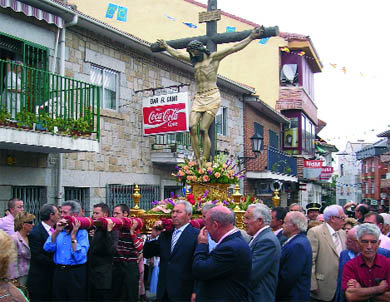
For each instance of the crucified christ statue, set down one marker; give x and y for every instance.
(207, 98)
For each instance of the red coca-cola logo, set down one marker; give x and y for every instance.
(157, 117)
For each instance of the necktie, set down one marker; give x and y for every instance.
(250, 241)
(51, 230)
(337, 243)
(175, 237)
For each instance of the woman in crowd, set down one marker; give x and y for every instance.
(24, 223)
(8, 292)
(349, 224)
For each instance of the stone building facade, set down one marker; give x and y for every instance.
(125, 155)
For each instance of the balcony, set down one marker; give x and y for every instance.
(45, 112)
(171, 148)
(273, 164)
(296, 98)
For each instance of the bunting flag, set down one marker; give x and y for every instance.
(230, 29)
(344, 69)
(111, 9)
(263, 41)
(285, 49)
(122, 14)
(190, 25)
(333, 65)
(169, 17)
(301, 53)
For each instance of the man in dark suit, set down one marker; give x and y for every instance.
(175, 249)
(103, 243)
(223, 274)
(40, 275)
(276, 224)
(265, 249)
(295, 261)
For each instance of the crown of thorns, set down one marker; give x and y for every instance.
(197, 45)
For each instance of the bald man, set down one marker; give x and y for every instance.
(224, 274)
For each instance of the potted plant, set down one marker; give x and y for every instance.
(4, 116)
(26, 119)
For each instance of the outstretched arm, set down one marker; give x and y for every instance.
(173, 52)
(256, 33)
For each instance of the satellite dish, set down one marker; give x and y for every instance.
(289, 73)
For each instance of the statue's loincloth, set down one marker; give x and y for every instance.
(207, 101)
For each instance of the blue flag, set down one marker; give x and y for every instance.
(122, 14)
(190, 25)
(111, 9)
(263, 41)
(230, 29)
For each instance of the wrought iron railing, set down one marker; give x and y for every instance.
(280, 162)
(29, 95)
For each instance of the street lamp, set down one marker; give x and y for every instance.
(257, 146)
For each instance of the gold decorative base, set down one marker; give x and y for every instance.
(217, 191)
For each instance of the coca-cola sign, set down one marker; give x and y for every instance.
(165, 113)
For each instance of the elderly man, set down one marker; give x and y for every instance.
(41, 263)
(352, 250)
(327, 241)
(223, 274)
(175, 249)
(295, 261)
(265, 249)
(70, 246)
(15, 205)
(386, 224)
(360, 211)
(295, 207)
(375, 218)
(367, 276)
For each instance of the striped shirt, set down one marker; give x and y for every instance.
(128, 248)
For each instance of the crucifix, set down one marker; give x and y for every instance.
(206, 61)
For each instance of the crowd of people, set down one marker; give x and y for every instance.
(284, 254)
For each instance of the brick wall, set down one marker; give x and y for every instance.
(251, 115)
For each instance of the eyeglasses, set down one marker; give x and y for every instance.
(342, 218)
(29, 222)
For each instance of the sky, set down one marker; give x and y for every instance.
(351, 34)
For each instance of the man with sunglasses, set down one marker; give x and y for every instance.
(327, 241)
(367, 276)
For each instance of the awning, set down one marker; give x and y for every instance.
(30, 11)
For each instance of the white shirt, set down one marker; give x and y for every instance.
(289, 239)
(47, 227)
(257, 234)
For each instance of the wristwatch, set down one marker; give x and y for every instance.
(74, 241)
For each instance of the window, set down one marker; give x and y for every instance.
(372, 188)
(289, 75)
(372, 166)
(273, 140)
(221, 121)
(33, 198)
(108, 81)
(79, 194)
(290, 137)
(341, 170)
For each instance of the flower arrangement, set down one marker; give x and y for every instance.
(222, 170)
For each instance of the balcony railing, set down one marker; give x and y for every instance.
(50, 101)
(279, 162)
(173, 142)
